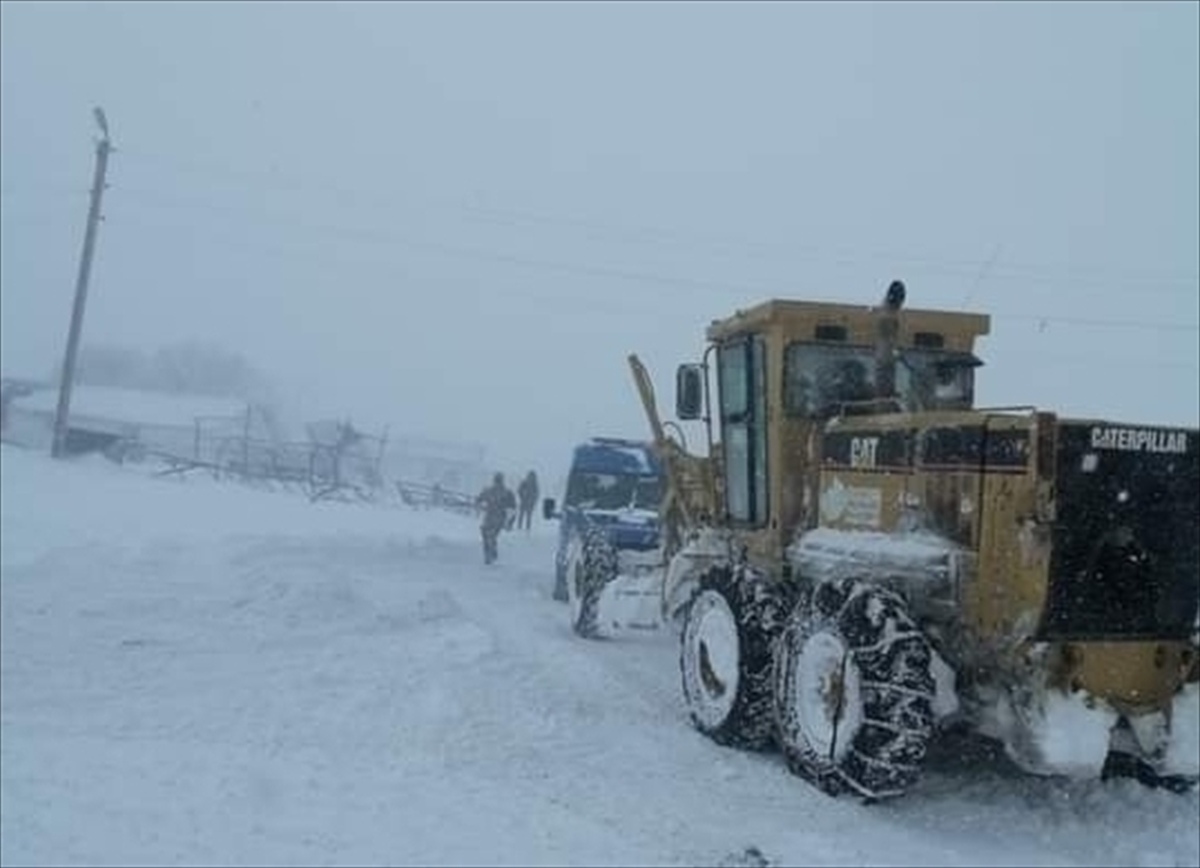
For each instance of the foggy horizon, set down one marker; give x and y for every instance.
(458, 219)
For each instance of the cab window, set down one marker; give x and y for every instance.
(743, 418)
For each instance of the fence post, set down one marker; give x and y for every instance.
(246, 444)
(379, 457)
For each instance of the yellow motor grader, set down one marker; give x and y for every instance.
(865, 560)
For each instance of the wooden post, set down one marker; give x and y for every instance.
(246, 444)
(103, 146)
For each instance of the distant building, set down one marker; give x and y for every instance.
(236, 435)
(176, 424)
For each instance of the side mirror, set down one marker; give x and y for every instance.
(548, 509)
(689, 392)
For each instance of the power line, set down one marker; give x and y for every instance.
(982, 274)
(337, 265)
(41, 191)
(375, 236)
(1083, 360)
(844, 262)
(677, 282)
(1100, 323)
(657, 236)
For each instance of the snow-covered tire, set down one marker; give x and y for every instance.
(725, 655)
(592, 567)
(853, 691)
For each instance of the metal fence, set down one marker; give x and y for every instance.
(337, 462)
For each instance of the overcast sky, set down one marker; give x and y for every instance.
(459, 218)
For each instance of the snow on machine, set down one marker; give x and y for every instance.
(864, 559)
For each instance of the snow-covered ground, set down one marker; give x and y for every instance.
(198, 673)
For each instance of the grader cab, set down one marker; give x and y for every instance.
(865, 558)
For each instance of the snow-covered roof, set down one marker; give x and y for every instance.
(133, 405)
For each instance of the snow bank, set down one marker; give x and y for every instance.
(46, 503)
(1183, 751)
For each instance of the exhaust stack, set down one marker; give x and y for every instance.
(887, 327)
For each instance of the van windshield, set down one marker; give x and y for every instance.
(587, 490)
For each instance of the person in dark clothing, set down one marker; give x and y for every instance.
(498, 506)
(527, 493)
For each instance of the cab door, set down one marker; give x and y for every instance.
(742, 372)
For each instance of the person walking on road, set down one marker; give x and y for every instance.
(498, 506)
(527, 493)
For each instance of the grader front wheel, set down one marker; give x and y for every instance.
(725, 656)
(853, 691)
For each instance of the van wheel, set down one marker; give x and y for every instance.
(591, 565)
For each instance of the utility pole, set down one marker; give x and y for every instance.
(103, 147)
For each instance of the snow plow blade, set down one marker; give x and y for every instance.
(611, 591)
(631, 602)
(619, 591)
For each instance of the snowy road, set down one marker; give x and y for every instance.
(204, 674)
